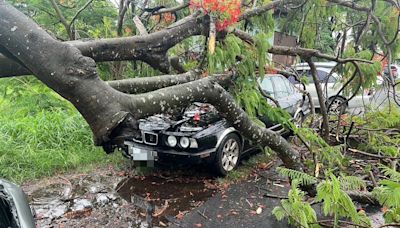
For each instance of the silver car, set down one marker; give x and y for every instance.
(330, 87)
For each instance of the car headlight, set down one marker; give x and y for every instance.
(172, 141)
(184, 142)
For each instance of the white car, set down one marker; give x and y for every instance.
(330, 87)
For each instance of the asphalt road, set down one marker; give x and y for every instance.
(237, 206)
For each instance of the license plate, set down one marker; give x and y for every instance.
(142, 155)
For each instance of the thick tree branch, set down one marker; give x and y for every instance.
(149, 48)
(259, 10)
(143, 85)
(171, 10)
(297, 51)
(306, 52)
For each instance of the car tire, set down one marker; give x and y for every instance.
(299, 119)
(336, 106)
(228, 155)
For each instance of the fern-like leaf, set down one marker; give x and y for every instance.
(302, 178)
(352, 183)
(391, 173)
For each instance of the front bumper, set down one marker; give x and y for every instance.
(140, 152)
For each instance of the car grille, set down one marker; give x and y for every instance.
(150, 138)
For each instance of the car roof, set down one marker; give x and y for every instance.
(273, 75)
(318, 68)
(317, 64)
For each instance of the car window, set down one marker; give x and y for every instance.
(267, 86)
(322, 76)
(293, 80)
(289, 86)
(280, 87)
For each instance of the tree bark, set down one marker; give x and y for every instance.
(321, 99)
(150, 48)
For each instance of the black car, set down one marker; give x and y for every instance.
(202, 133)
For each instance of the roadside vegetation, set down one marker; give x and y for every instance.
(363, 155)
(41, 134)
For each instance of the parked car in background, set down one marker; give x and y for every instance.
(394, 69)
(14, 207)
(201, 133)
(331, 85)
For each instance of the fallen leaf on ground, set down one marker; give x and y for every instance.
(234, 212)
(264, 166)
(225, 185)
(180, 215)
(210, 185)
(259, 210)
(78, 214)
(161, 210)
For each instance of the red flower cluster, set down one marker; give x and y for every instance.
(226, 11)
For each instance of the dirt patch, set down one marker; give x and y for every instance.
(166, 198)
(119, 198)
(82, 200)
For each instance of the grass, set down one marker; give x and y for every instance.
(41, 134)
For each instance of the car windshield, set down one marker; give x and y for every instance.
(267, 86)
(321, 74)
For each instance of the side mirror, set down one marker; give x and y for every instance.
(14, 207)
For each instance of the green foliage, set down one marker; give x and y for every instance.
(331, 192)
(337, 203)
(89, 19)
(389, 117)
(329, 155)
(262, 50)
(388, 194)
(297, 211)
(352, 183)
(380, 142)
(367, 79)
(302, 178)
(41, 134)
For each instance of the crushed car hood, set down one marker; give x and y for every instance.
(195, 118)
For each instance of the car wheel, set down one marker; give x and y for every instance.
(299, 119)
(336, 106)
(228, 154)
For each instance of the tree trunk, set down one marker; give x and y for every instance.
(321, 99)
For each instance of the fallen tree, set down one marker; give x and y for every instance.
(113, 115)
(69, 68)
